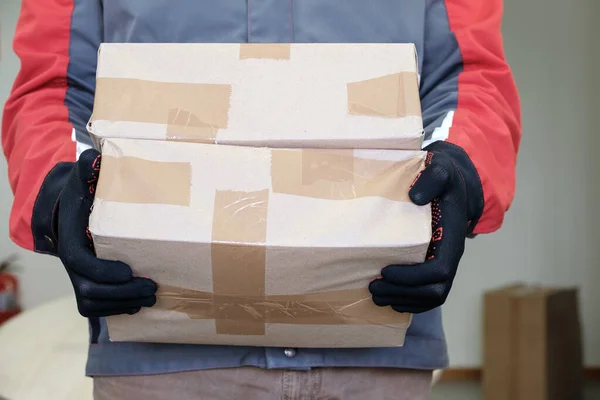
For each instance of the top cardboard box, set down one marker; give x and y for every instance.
(363, 96)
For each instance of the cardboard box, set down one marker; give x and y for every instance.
(257, 246)
(532, 344)
(363, 96)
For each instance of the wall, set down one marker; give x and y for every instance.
(549, 235)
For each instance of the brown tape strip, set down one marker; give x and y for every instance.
(192, 111)
(238, 258)
(338, 175)
(412, 98)
(270, 51)
(136, 180)
(390, 96)
(343, 307)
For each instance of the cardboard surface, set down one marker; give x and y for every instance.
(274, 95)
(257, 246)
(532, 344)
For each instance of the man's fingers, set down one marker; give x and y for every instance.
(431, 183)
(390, 301)
(100, 300)
(381, 288)
(134, 289)
(108, 313)
(83, 262)
(411, 309)
(407, 299)
(439, 269)
(76, 251)
(427, 273)
(103, 287)
(448, 247)
(90, 305)
(405, 305)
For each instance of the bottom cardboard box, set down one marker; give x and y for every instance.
(256, 246)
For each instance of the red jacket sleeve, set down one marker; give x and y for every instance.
(469, 96)
(44, 110)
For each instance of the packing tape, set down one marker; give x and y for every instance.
(192, 111)
(136, 180)
(239, 236)
(390, 96)
(342, 307)
(338, 175)
(268, 51)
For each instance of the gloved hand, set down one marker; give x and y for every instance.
(451, 184)
(102, 287)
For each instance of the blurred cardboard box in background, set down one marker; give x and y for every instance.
(532, 344)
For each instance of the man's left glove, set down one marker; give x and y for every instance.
(451, 184)
(102, 287)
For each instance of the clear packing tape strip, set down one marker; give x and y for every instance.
(246, 315)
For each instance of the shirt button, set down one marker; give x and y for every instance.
(290, 353)
(49, 242)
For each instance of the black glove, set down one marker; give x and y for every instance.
(451, 184)
(102, 287)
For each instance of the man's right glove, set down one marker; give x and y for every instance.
(102, 287)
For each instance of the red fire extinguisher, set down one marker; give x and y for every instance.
(9, 290)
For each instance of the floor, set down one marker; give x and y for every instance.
(472, 391)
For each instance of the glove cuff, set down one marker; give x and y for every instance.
(45, 210)
(475, 199)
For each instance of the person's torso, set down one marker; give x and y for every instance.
(238, 21)
(270, 21)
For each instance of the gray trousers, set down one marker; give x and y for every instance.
(249, 383)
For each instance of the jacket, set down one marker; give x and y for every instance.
(467, 92)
